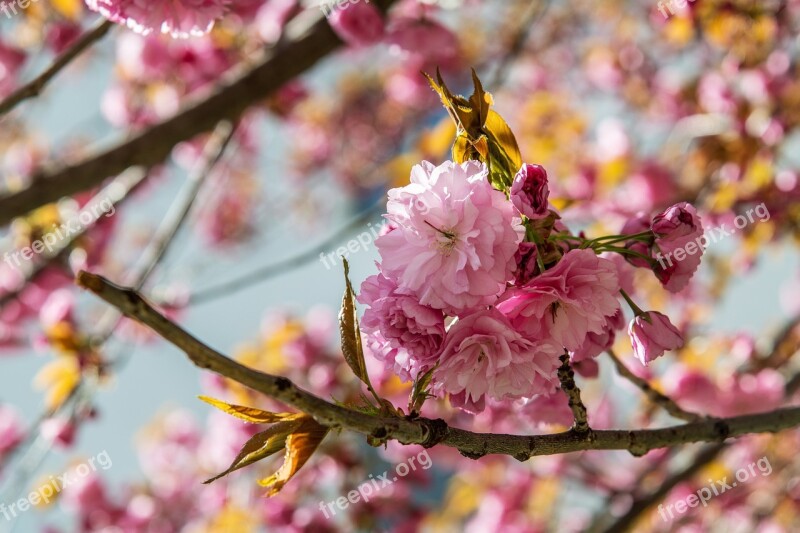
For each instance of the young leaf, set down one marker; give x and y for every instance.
(350, 331)
(249, 414)
(419, 392)
(481, 134)
(262, 445)
(300, 445)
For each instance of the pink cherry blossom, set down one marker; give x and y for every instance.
(359, 24)
(423, 40)
(651, 335)
(597, 343)
(484, 355)
(11, 61)
(637, 224)
(455, 240)
(179, 18)
(529, 191)
(11, 432)
(675, 229)
(401, 319)
(567, 302)
(396, 359)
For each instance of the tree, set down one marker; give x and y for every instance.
(582, 188)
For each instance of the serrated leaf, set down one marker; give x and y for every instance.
(262, 445)
(349, 330)
(300, 446)
(249, 414)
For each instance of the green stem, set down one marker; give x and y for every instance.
(635, 308)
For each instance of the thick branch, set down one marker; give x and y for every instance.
(653, 395)
(152, 146)
(431, 432)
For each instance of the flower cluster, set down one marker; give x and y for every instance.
(488, 290)
(179, 18)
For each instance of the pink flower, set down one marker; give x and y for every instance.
(484, 355)
(58, 308)
(597, 343)
(58, 431)
(401, 319)
(11, 432)
(651, 335)
(752, 393)
(638, 224)
(359, 24)
(423, 40)
(529, 192)
(179, 18)
(455, 238)
(679, 239)
(11, 61)
(397, 361)
(565, 303)
(527, 266)
(551, 408)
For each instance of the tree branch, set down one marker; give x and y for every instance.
(37, 85)
(425, 431)
(117, 191)
(653, 395)
(703, 458)
(567, 378)
(310, 44)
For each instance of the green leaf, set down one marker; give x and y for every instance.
(419, 391)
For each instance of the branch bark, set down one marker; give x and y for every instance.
(567, 378)
(305, 46)
(425, 431)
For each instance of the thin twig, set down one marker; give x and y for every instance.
(115, 193)
(425, 431)
(567, 378)
(704, 457)
(152, 256)
(266, 272)
(307, 44)
(653, 395)
(533, 13)
(36, 86)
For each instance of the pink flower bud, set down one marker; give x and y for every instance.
(680, 220)
(529, 192)
(651, 335)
